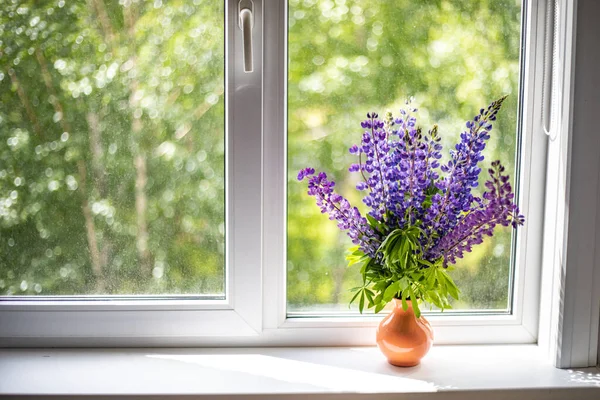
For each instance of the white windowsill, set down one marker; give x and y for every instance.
(448, 372)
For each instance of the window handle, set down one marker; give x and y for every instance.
(246, 23)
(551, 61)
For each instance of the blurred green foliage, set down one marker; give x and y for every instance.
(112, 135)
(112, 147)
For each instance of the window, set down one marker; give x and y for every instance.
(194, 159)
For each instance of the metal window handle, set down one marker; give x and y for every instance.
(246, 22)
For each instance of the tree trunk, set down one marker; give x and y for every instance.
(26, 104)
(90, 230)
(95, 140)
(139, 161)
(98, 7)
(90, 226)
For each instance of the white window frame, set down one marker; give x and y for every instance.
(255, 310)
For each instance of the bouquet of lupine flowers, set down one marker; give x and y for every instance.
(422, 214)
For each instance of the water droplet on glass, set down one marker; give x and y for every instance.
(53, 185)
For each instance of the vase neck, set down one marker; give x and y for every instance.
(398, 306)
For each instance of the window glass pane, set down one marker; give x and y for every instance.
(111, 147)
(350, 57)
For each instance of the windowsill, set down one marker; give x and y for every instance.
(448, 372)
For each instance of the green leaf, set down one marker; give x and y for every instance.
(354, 250)
(364, 269)
(405, 254)
(380, 286)
(379, 298)
(356, 256)
(404, 303)
(452, 288)
(413, 300)
(403, 283)
(448, 284)
(430, 277)
(355, 296)
(434, 297)
(378, 225)
(425, 262)
(380, 306)
(391, 291)
(355, 260)
(361, 303)
(439, 301)
(369, 295)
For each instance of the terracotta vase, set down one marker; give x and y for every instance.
(403, 338)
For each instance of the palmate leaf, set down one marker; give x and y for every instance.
(369, 295)
(365, 268)
(356, 260)
(403, 284)
(413, 300)
(361, 303)
(450, 286)
(360, 294)
(391, 291)
(377, 225)
(355, 256)
(404, 297)
(355, 296)
(430, 297)
(389, 242)
(401, 273)
(380, 306)
(425, 262)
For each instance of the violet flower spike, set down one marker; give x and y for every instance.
(375, 148)
(462, 172)
(496, 208)
(339, 209)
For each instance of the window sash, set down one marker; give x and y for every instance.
(36, 320)
(531, 199)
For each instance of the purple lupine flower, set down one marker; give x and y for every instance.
(403, 165)
(496, 208)
(374, 149)
(400, 170)
(305, 172)
(462, 173)
(413, 153)
(339, 209)
(412, 168)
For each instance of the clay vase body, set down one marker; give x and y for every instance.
(403, 338)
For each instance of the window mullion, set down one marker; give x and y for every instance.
(244, 167)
